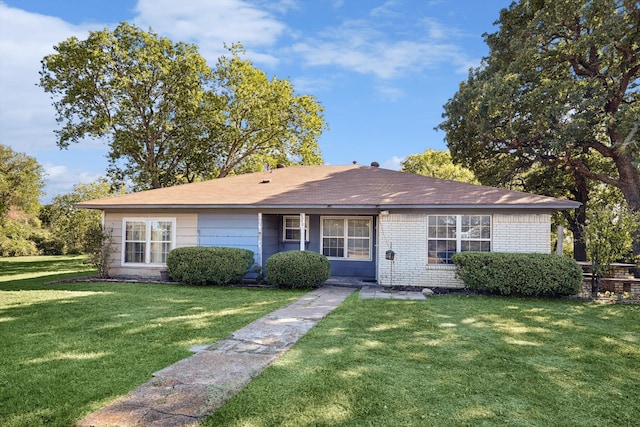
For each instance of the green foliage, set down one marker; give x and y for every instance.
(13, 241)
(297, 269)
(200, 265)
(518, 273)
(74, 226)
(48, 244)
(558, 96)
(437, 164)
(21, 182)
(168, 117)
(264, 121)
(141, 91)
(18, 235)
(608, 234)
(98, 244)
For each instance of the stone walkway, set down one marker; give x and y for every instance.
(379, 292)
(188, 391)
(193, 388)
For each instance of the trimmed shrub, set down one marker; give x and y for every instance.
(297, 269)
(200, 265)
(519, 273)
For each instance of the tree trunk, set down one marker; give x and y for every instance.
(581, 194)
(579, 245)
(595, 284)
(630, 186)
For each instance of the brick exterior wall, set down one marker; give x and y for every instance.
(522, 233)
(406, 235)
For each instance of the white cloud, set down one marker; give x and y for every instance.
(27, 118)
(358, 46)
(393, 163)
(280, 6)
(210, 24)
(385, 10)
(311, 85)
(436, 30)
(390, 93)
(62, 179)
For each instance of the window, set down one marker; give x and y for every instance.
(448, 234)
(147, 241)
(348, 238)
(291, 228)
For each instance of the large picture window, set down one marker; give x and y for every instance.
(346, 237)
(448, 234)
(147, 241)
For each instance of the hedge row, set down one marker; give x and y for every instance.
(202, 265)
(199, 265)
(518, 273)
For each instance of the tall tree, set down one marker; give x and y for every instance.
(437, 164)
(168, 117)
(21, 182)
(559, 90)
(141, 91)
(264, 120)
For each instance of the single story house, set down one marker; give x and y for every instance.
(393, 227)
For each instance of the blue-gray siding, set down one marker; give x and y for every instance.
(233, 230)
(240, 230)
(273, 242)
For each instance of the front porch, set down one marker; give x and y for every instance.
(348, 240)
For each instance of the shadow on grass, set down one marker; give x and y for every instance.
(453, 361)
(68, 349)
(15, 270)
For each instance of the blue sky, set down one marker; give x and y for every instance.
(382, 69)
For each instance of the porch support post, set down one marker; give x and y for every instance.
(303, 226)
(259, 254)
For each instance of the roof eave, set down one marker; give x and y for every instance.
(553, 206)
(547, 206)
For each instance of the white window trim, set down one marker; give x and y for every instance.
(459, 237)
(284, 228)
(147, 255)
(346, 237)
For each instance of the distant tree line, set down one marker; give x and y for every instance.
(28, 228)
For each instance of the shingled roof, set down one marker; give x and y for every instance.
(330, 186)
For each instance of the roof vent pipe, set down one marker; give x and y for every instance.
(375, 164)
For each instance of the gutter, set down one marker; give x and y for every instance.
(568, 205)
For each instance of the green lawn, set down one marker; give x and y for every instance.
(68, 349)
(20, 269)
(453, 361)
